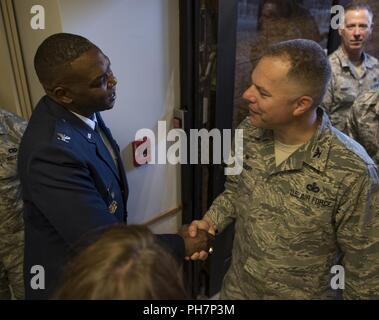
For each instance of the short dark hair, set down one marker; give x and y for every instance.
(309, 65)
(124, 263)
(54, 55)
(359, 5)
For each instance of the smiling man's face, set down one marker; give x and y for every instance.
(272, 95)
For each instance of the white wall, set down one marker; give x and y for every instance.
(29, 41)
(30, 38)
(141, 38)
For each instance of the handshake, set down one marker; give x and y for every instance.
(198, 238)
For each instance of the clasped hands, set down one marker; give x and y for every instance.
(198, 238)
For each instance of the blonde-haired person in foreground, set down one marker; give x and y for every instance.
(124, 263)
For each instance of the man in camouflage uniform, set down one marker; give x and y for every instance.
(354, 71)
(12, 128)
(307, 198)
(363, 122)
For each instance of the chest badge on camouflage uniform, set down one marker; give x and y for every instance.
(63, 137)
(113, 207)
(313, 187)
(317, 154)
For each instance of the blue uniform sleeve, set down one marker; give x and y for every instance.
(174, 244)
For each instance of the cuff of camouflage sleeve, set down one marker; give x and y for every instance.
(211, 217)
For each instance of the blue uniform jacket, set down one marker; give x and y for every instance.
(71, 189)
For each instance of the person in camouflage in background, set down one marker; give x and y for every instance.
(12, 128)
(354, 71)
(307, 198)
(363, 122)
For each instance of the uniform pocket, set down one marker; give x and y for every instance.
(8, 160)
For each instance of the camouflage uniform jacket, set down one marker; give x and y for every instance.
(294, 221)
(345, 85)
(363, 122)
(11, 223)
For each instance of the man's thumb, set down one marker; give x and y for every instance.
(192, 229)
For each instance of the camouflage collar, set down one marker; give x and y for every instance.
(314, 153)
(368, 61)
(262, 134)
(316, 150)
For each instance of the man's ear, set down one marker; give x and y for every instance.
(303, 105)
(61, 95)
(340, 31)
(371, 30)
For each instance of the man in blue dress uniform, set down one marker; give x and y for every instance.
(71, 173)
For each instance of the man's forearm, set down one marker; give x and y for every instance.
(221, 213)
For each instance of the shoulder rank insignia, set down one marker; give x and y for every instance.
(317, 154)
(63, 137)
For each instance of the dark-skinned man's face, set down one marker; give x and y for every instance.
(89, 85)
